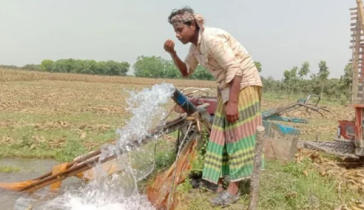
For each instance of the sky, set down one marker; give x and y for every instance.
(280, 34)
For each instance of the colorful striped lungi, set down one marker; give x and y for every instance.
(230, 150)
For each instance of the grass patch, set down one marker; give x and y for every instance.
(9, 169)
(283, 186)
(296, 186)
(71, 150)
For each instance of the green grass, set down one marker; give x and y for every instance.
(283, 186)
(9, 169)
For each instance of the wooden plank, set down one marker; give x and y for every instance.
(355, 29)
(358, 39)
(360, 12)
(358, 60)
(360, 46)
(353, 8)
(356, 50)
(254, 184)
(294, 144)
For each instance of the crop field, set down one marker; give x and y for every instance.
(61, 116)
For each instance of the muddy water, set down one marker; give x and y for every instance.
(28, 169)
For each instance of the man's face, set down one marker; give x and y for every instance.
(184, 33)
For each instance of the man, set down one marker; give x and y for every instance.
(231, 146)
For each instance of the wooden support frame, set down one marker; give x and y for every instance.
(259, 149)
(357, 44)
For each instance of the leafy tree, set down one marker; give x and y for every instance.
(9, 67)
(323, 71)
(171, 71)
(258, 65)
(323, 75)
(290, 76)
(347, 78)
(115, 68)
(85, 67)
(304, 70)
(201, 73)
(150, 67)
(46, 65)
(32, 67)
(157, 67)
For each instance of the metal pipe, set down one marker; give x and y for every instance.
(184, 103)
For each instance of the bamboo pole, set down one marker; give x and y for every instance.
(254, 185)
(355, 58)
(361, 12)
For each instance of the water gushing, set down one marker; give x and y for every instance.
(119, 191)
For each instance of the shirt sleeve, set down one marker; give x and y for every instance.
(224, 55)
(191, 63)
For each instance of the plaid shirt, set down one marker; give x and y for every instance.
(225, 58)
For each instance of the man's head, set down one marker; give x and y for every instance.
(184, 24)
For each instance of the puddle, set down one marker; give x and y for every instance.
(28, 169)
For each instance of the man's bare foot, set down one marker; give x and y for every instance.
(233, 188)
(220, 187)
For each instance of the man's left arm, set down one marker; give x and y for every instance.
(223, 54)
(231, 109)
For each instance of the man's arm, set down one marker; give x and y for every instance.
(235, 89)
(231, 108)
(180, 64)
(188, 66)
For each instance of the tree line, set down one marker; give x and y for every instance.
(157, 67)
(78, 67)
(300, 80)
(145, 66)
(297, 80)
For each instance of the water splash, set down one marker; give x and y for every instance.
(119, 191)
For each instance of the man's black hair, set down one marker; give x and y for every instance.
(182, 11)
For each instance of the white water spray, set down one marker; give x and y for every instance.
(119, 191)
